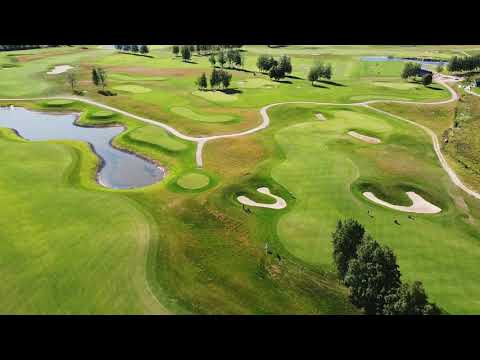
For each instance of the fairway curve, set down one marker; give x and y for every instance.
(279, 204)
(419, 204)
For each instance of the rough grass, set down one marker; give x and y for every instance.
(188, 113)
(59, 102)
(215, 96)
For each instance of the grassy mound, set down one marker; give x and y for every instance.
(256, 83)
(157, 136)
(59, 102)
(102, 114)
(193, 181)
(203, 118)
(216, 96)
(135, 89)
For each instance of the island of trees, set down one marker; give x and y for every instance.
(466, 63)
(133, 49)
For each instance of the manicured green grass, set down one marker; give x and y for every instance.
(188, 113)
(216, 96)
(59, 102)
(327, 171)
(193, 181)
(135, 89)
(157, 136)
(125, 77)
(400, 86)
(102, 114)
(253, 83)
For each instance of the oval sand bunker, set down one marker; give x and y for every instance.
(368, 139)
(419, 204)
(279, 204)
(59, 69)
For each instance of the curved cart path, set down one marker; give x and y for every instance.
(266, 121)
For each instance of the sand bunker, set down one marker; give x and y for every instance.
(419, 206)
(59, 69)
(320, 116)
(279, 204)
(368, 139)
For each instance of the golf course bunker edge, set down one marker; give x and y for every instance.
(368, 139)
(419, 204)
(279, 204)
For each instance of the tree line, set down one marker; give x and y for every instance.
(372, 274)
(232, 57)
(217, 78)
(142, 49)
(203, 49)
(24, 47)
(466, 63)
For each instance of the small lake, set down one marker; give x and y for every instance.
(419, 61)
(120, 170)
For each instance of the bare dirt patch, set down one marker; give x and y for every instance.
(368, 139)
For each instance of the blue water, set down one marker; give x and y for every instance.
(386, 58)
(121, 170)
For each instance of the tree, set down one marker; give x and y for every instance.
(72, 79)
(409, 300)
(118, 47)
(440, 68)
(372, 275)
(221, 59)
(95, 77)
(102, 77)
(238, 59)
(313, 74)
(202, 82)
(285, 64)
(191, 48)
(144, 49)
(212, 59)
(276, 73)
(135, 48)
(226, 78)
(214, 78)
(175, 50)
(265, 63)
(427, 79)
(186, 54)
(127, 48)
(327, 71)
(410, 70)
(347, 237)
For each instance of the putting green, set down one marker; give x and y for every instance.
(203, 118)
(193, 181)
(102, 114)
(135, 89)
(256, 83)
(398, 86)
(216, 96)
(59, 102)
(157, 136)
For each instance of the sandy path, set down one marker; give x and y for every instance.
(368, 139)
(467, 89)
(419, 204)
(59, 69)
(279, 204)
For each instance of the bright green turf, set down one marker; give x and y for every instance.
(125, 77)
(193, 181)
(135, 89)
(216, 96)
(59, 102)
(253, 83)
(157, 136)
(188, 113)
(102, 114)
(327, 171)
(400, 86)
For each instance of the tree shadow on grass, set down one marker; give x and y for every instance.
(190, 61)
(294, 77)
(231, 91)
(319, 86)
(283, 81)
(328, 82)
(129, 53)
(434, 88)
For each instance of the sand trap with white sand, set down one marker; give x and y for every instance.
(279, 204)
(59, 69)
(320, 116)
(368, 139)
(419, 204)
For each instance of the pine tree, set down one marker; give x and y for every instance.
(202, 82)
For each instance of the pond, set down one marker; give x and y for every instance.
(119, 170)
(416, 60)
